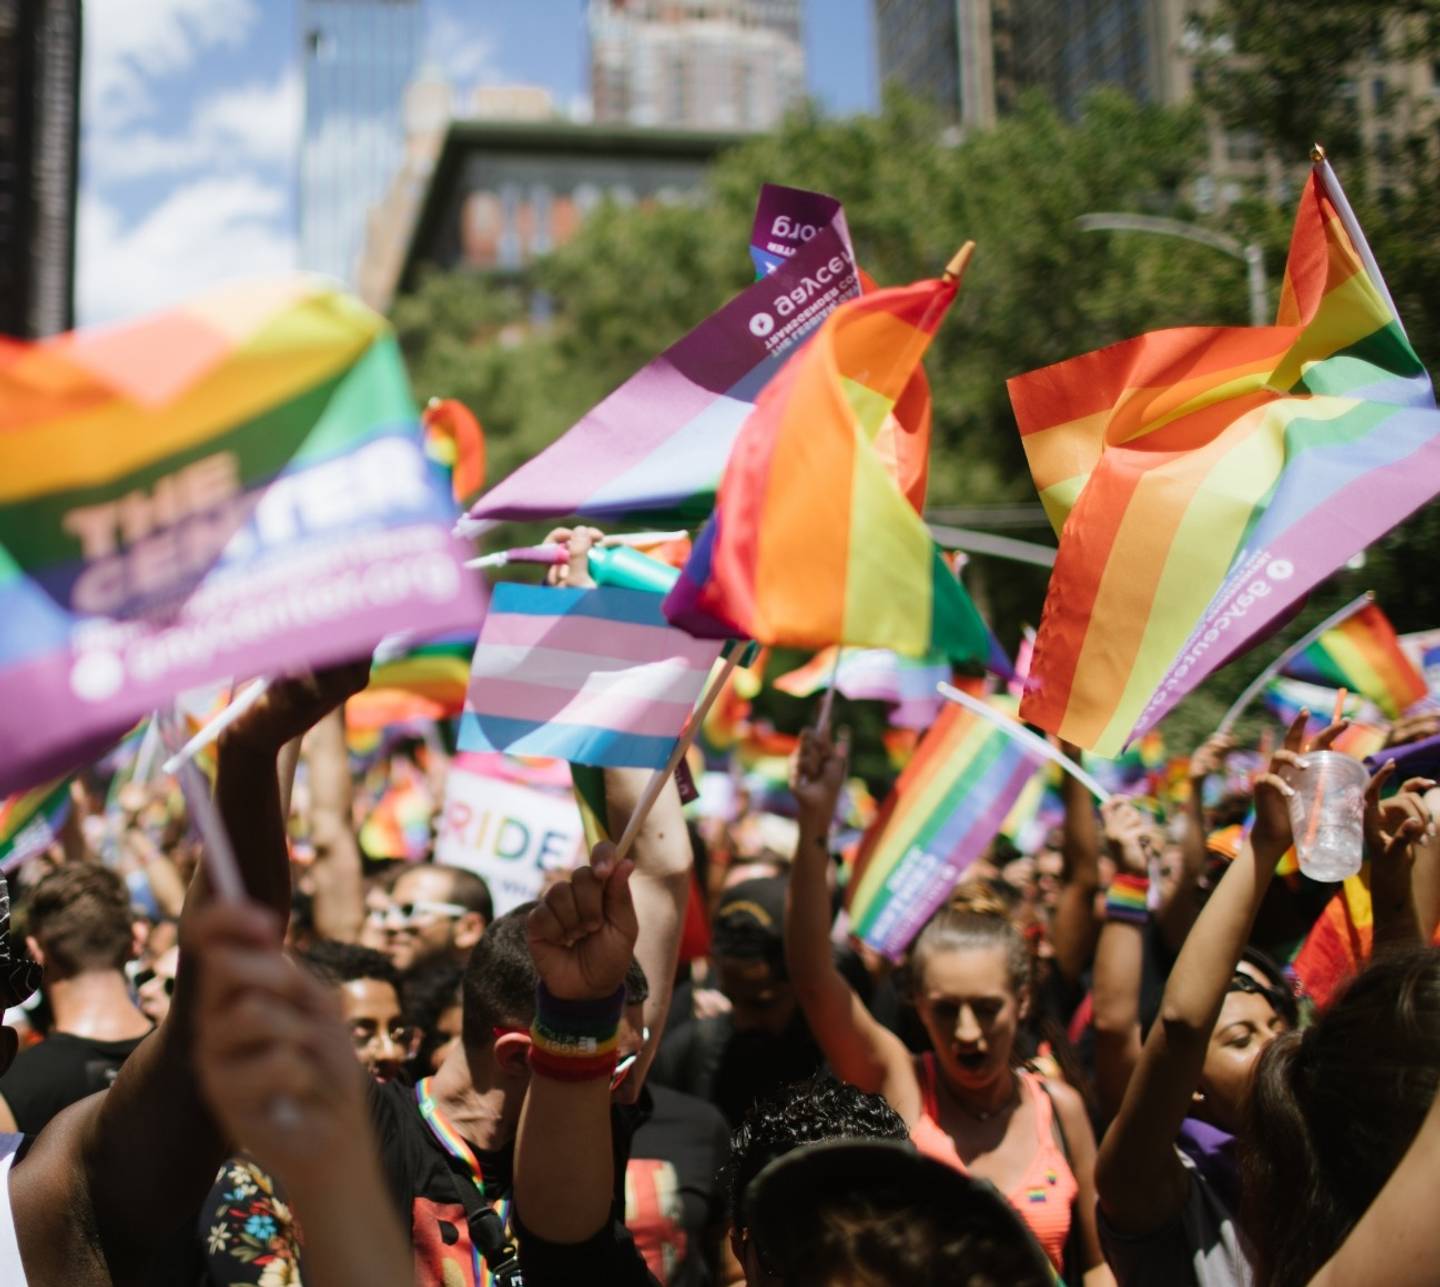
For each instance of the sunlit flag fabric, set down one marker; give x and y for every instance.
(231, 487)
(949, 803)
(875, 675)
(30, 821)
(593, 676)
(1363, 654)
(812, 543)
(426, 681)
(658, 444)
(1203, 479)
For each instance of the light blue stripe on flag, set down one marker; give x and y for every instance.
(607, 603)
(579, 743)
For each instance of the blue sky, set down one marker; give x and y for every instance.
(191, 123)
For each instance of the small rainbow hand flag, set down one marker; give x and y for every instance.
(426, 682)
(949, 803)
(812, 543)
(1203, 479)
(1364, 655)
(875, 675)
(31, 820)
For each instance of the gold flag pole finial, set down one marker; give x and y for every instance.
(955, 269)
(1317, 153)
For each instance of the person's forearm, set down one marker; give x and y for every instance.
(1425, 878)
(1118, 963)
(337, 873)
(247, 794)
(1075, 929)
(564, 1162)
(1176, 914)
(808, 956)
(352, 1235)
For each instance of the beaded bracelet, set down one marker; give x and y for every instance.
(574, 1040)
(1125, 900)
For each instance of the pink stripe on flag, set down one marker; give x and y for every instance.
(620, 711)
(617, 639)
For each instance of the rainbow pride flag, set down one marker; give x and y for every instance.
(949, 803)
(1286, 698)
(1203, 479)
(30, 821)
(426, 682)
(592, 676)
(401, 824)
(657, 446)
(812, 543)
(232, 487)
(1364, 655)
(455, 442)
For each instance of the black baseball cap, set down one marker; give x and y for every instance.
(893, 1180)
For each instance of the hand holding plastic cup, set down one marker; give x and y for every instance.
(1327, 815)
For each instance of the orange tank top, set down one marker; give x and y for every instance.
(1046, 1193)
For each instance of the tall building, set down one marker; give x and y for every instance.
(359, 56)
(953, 53)
(39, 146)
(696, 64)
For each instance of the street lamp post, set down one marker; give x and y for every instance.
(1250, 254)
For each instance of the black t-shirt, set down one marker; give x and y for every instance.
(674, 1208)
(60, 1071)
(432, 1190)
(712, 1061)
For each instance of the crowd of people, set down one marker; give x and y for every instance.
(1090, 1066)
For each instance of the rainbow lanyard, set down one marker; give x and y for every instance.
(458, 1147)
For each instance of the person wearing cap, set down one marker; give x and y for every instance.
(762, 1042)
(96, 1197)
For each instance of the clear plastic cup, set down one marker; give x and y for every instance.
(1327, 815)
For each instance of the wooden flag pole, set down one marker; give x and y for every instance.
(827, 703)
(662, 776)
(1293, 651)
(220, 863)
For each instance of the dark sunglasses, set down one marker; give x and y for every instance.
(142, 977)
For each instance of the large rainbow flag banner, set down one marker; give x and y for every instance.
(233, 487)
(594, 676)
(658, 445)
(1203, 479)
(425, 682)
(946, 807)
(812, 543)
(1363, 654)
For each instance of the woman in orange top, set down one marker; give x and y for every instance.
(965, 1103)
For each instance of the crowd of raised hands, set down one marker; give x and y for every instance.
(1092, 1072)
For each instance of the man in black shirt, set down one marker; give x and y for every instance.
(79, 932)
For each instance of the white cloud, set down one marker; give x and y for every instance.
(130, 42)
(464, 55)
(256, 123)
(204, 232)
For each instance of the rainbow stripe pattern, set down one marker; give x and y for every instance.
(812, 543)
(232, 487)
(593, 676)
(1203, 479)
(658, 444)
(30, 821)
(1364, 655)
(946, 807)
(426, 682)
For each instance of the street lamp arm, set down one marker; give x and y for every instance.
(1104, 222)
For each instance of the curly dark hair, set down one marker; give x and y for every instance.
(336, 963)
(818, 1108)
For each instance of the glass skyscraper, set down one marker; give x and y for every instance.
(359, 56)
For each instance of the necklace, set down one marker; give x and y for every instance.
(989, 1114)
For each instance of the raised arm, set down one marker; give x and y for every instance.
(150, 1147)
(1141, 1183)
(278, 1070)
(337, 871)
(1177, 912)
(1120, 955)
(859, 1049)
(1075, 930)
(1393, 831)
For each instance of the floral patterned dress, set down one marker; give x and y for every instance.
(251, 1237)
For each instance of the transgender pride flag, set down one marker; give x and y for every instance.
(591, 676)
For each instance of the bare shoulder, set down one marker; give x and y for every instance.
(51, 1201)
(1068, 1105)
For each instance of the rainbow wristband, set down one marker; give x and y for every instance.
(575, 1040)
(1125, 900)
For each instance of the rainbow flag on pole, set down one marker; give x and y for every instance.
(426, 682)
(1203, 479)
(232, 487)
(30, 821)
(1364, 655)
(949, 803)
(812, 543)
(592, 676)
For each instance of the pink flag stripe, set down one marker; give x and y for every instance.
(612, 708)
(627, 644)
(671, 680)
